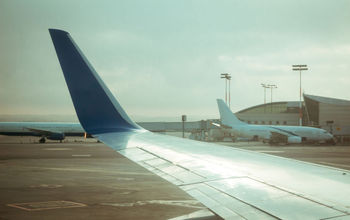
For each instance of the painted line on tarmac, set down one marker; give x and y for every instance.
(181, 203)
(81, 155)
(38, 206)
(57, 148)
(90, 170)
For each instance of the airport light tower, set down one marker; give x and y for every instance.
(271, 87)
(229, 90)
(227, 77)
(300, 68)
(264, 86)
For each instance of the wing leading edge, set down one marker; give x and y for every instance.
(233, 183)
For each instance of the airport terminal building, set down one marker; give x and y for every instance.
(276, 113)
(323, 112)
(328, 113)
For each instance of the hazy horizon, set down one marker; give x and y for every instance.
(74, 118)
(162, 59)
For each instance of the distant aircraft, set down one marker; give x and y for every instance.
(45, 130)
(271, 133)
(232, 183)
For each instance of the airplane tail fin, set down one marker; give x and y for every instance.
(98, 111)
(226, 115)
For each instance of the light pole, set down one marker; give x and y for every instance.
(224, 76)
(271, 87)
(300, 68)
(183, 119)
(227, 77)
(264, 86)
(229, 91)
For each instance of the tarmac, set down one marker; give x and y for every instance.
(83, 179)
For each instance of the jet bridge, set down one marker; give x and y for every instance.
(191, 126)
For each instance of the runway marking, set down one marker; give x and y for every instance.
(125, 193)
(91, 170)
(81, 155)
(125, 178)
(335, 164)
(182, 203)
(38, 206)
(57, 148)
(270, 151)
(50, 186)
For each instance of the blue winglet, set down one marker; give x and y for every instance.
(98, 111)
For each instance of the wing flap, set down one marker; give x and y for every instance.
(174, 173)
(213, 205)
(272, 200)
(215, 200)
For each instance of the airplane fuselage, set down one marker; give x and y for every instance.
(265, 132)
(32, 128)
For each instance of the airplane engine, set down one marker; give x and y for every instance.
(294, 140)
(56, 136)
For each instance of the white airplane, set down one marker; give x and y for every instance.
(45, 130)
(270, 133)
(232, 183)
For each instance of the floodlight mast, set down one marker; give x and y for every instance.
(271, 87)
(229, 91)
(224, 76)
(300, 67)
(227, 77)
(264, 86)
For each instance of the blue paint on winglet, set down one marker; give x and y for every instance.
(98, 111)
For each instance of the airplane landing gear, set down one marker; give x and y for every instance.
(42, 140)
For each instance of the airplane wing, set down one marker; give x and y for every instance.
(282, 131)
(233, 183)
(42, 131)
(53, 135)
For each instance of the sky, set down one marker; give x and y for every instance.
(163, 59)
